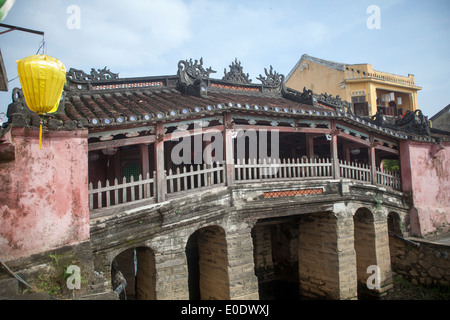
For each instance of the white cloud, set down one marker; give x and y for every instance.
(251, 30)
(124, 34)
(133, 32)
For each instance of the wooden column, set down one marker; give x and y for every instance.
(144, 160)
(207, 159)
(145, 163)
(372, 159)
(117, 168)
(228, 150)
(334, 150)
(347, 149)
(310, 146)
(159, 164)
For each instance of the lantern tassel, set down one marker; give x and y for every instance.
(40, 134)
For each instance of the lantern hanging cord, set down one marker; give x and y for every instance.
(42, 46)
(13, 79)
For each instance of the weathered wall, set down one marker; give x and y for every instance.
(426, 176)
(428, 263)
(43, 193)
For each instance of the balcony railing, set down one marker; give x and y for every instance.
(355, 171)
(197, 177)
(389, 179)
(290, 169)
(121, 192)
(377, 75)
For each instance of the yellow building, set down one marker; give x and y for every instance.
(368, 90)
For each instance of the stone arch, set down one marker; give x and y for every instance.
(275, 255)
(394, 223)
(207, 260)
(133, 274)
(365, 247)
(396, 246)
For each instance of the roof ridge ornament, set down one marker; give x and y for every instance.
(192, 76)
(412, 122)
(96, 75)
(194, 69)
(236, 73)
(306, 97)
(337, 103)
(272, 78)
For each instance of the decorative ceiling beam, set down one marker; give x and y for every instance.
(121, 142)
(192, 132)
(387, 149)
(347, 136)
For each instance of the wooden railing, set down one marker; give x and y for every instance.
(389, 179)
(363, 173)
(119, 193)
(355, 171)
(252, 170)
(195, 177)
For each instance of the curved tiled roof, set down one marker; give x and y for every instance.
(103, 100)
(165, 104)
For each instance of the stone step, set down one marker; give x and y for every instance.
(9, 290)
(9, 287)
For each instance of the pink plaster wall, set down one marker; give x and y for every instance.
(44, 193)
(426, 175)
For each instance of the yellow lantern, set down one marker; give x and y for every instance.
(42, 78)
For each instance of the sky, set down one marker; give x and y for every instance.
(138, 38)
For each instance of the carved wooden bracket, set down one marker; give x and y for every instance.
(229, 125)
(160, 137)
(336, 132)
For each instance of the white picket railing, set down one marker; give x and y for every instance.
(276, 169)
(389, 179)
(119, 193)
(193, 177)
(355, 171)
